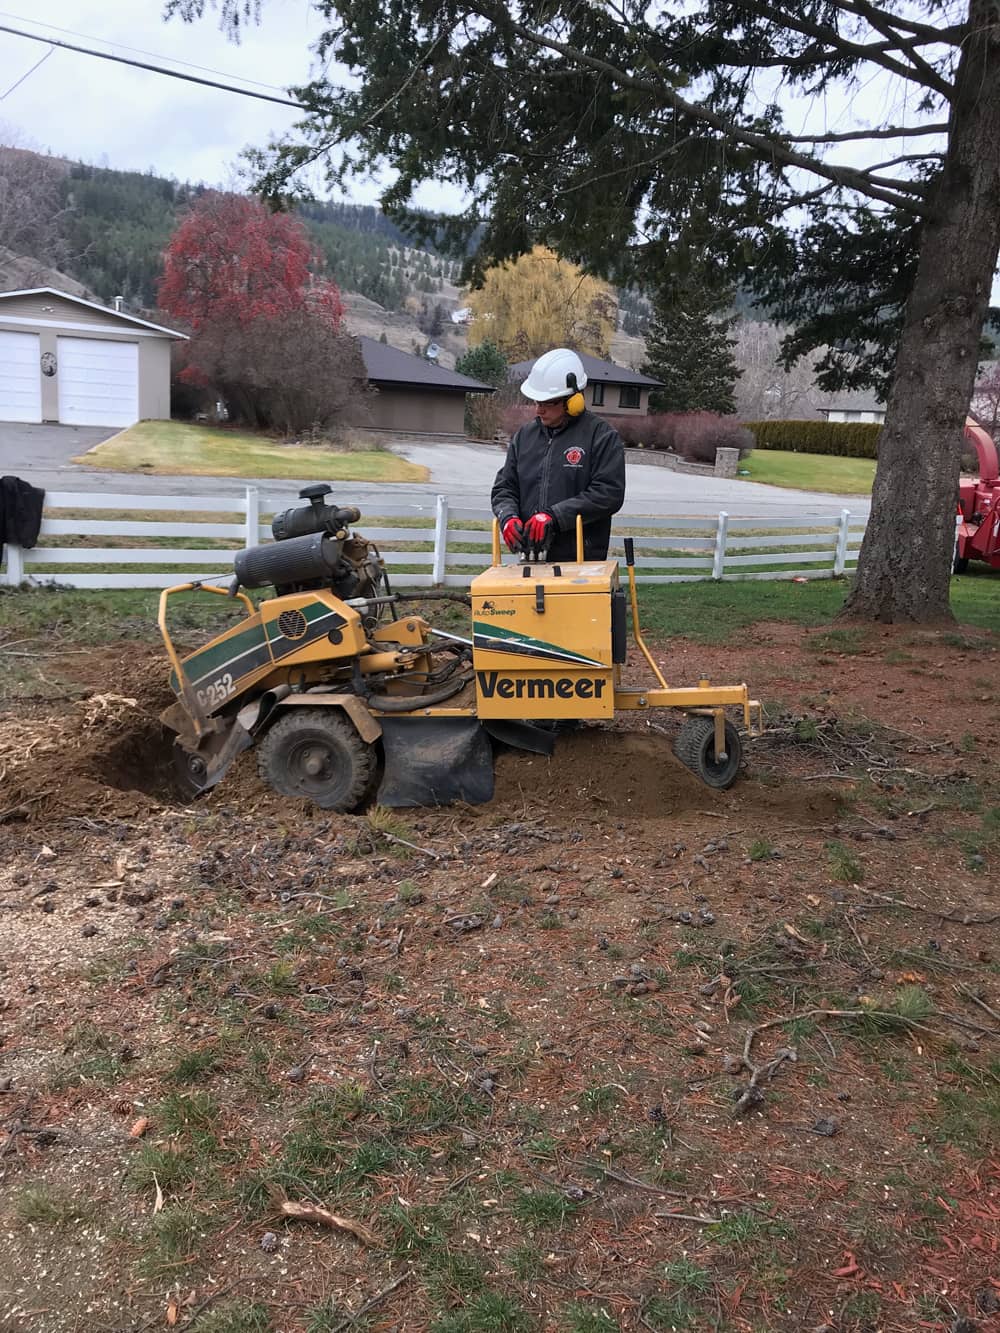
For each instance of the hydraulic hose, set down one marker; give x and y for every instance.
(406, 703)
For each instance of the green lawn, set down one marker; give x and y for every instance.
(717, 612)
(712, 612)
(179, 448)
(810, 472)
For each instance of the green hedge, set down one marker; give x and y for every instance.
(846, 439)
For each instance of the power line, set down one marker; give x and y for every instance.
(155, 69)
(136, 50)
(36, 65)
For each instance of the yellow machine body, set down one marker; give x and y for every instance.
(286, 635)
(542, 640)
(549, 642)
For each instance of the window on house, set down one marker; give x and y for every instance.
(598, 395)
(628, 395)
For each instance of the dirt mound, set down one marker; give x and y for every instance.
(612, 771)
(603, 770)
(105, 754)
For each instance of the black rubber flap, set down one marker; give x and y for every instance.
(435, 761)
(521, 735)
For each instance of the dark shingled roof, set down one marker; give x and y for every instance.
(605, 372)
(389, 366)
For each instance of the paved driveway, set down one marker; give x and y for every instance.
(464, 472)
(46, 448)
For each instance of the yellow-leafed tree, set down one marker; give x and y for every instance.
(540, 301)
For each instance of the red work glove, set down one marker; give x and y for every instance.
(539, 530)
(513, 533)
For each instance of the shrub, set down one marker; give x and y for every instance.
(699, 434)
(289, 372)
(189, 398)
(653, 432)
(846, 439)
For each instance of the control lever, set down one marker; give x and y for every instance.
(533, 554)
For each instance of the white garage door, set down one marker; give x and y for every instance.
(98, 382)
(20, 377)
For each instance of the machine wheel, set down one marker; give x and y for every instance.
(695, 748)
(961, 564)
(316, 753)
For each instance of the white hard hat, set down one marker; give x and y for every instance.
(557, 374)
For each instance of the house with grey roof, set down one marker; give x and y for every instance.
(612, 391)
(415, 395)
(855, 407)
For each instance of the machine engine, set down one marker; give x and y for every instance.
(313, 548)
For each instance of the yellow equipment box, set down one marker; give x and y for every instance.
(546, 639)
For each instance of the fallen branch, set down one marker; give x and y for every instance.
(971, 995)
(624, 1179)
(312, 1212)
(370, 1305)
(965, 920)
(391, 837)
(690, 1217)
(965, 1023)
(323, 897)
(209, 1300)
(752, 1095)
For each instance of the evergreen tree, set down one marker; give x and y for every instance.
(689, 349)
(484, 362)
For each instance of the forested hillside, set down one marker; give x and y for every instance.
(108, 229)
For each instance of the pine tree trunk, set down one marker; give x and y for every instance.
(904, 568)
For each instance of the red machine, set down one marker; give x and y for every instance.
(979, 505)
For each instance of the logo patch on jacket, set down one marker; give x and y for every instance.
(574, 456)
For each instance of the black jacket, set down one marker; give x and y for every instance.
(576, 469)
(20, 512)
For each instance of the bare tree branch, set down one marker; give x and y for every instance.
(887, 26)
(951, 36)
(876, 53)
(892, 132)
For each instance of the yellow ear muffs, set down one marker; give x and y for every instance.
(576, 405)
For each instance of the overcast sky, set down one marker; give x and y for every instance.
(101, 112)
(109, 114)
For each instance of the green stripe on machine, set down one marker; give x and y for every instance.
(499, 640)
(229, 655)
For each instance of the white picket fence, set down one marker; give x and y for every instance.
(692, 548)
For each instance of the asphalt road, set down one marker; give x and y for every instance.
(463, 472)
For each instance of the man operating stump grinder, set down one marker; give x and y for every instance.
(567, 462)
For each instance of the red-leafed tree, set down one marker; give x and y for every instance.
(266, 329)
(233, 261)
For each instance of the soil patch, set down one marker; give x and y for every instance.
(612, 1052)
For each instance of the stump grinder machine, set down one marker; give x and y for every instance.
(346, 700)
